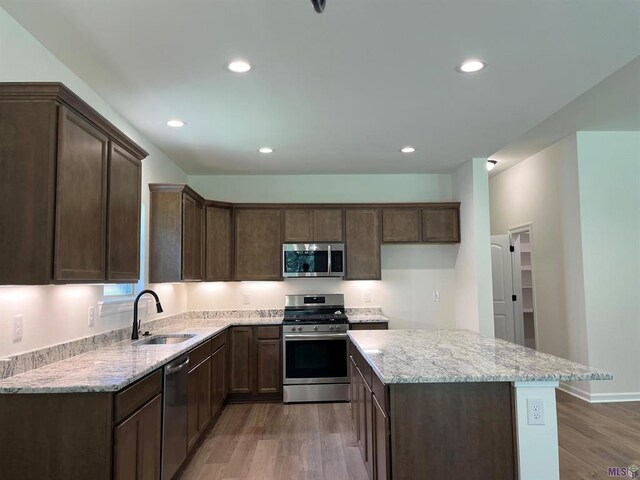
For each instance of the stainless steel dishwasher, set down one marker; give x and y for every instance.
(174, 423)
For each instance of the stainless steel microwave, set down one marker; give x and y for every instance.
(312, 260)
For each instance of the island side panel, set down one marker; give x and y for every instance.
(452, 430)
(537, 444)
(64, 436)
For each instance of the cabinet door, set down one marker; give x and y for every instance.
(268, 375)
(218, 243)
(198, 400)
(218, 379)
(440, 225)
(381, 441)
(258, 247)
(354, 390)
(362, 417)
(401, 225)
(327, 225)
(298, 226)
(81, 201)
(241, 364)
(192, 219)
(123, 244)
(137, 443)
(363, 244)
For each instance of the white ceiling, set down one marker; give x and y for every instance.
(339, 92)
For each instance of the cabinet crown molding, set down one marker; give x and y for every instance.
(58, 92)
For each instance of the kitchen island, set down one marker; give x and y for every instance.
(442, 404)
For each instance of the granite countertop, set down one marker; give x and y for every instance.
(111, 368)
(450, 356)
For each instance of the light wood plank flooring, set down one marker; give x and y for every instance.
(276, 441)
(315, 441)
(593, 437)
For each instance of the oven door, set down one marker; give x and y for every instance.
(315, 358)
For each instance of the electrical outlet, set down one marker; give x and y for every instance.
(91, 319)
(17, 328)
(246, 299)
(535, 411)
(436, 296)
(367, 296)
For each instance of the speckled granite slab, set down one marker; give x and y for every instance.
(450, 356)
(112, 368)
(366, 315)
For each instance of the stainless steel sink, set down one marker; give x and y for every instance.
(167, 339)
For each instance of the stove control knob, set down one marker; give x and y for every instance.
(315, 328)
(293, 329)
(332, 328)
(299, 329)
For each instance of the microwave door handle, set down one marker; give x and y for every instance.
(329, 268)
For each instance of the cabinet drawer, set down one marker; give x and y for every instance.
(218, 341)
(268, 333)
(369, 326)
(199, 353)
(135, 396)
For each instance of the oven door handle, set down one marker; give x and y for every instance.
(312, 336)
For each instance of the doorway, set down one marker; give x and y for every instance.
(513, 286)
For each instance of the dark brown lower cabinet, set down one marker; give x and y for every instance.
(199, 401)
(365, 434)
(369, 326)
(380, 426)
(137, 443)
(219, 380)
(255, 369)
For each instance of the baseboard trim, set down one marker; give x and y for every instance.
(599, 397)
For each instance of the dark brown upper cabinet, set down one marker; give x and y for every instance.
(258, 244)
(176, 234)
(441, 224)
(218, 243)
(362, 227)
(69, 190)
(123, 222)
(312, 225)
(401, 225)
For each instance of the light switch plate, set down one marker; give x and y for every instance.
(91, 318)
(367, 296)
(17, 328)
(436, 296)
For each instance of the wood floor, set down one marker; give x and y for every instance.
(276, 441)
(593, 437)
(315, 441)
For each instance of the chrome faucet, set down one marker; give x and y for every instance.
(136, 322)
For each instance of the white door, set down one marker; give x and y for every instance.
(503, 315)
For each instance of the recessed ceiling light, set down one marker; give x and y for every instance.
(491, 164)
(176, 123)
(471, 65)
(239, 66)
(407, 149)
(266, 150)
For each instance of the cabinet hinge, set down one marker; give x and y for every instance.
(512, 248)
(513, 298)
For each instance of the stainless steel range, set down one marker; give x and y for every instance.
(315, 349)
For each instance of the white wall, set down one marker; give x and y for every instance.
(582, 196)
(474, 307)
(54, 314)
(323, 188)
(609, 179)
(543, 191)
(410, 273)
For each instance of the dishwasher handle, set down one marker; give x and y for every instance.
(173, 369)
